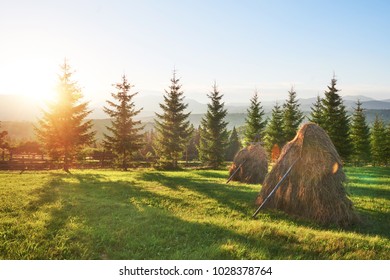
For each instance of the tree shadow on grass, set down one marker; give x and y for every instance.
(169, 182)
(369, 185)
(241, 199)
(103, 219)
(367, 172)
(235, 198)
(211, 174)
(148, 232)
(46, 194)
(370, 192)
(98, 219)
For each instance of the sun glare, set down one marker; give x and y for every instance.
(37, 92)
(32, 80)
(335, 168)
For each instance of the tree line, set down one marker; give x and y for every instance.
(64, 129)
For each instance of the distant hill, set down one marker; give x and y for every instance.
(18, 131)
(18, 108)
(24, 131)
(354, 98)
(307, 103)
(375, 105)
(150, 105)
(17, 114)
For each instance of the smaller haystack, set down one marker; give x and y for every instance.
(252, 163)
(314, 189)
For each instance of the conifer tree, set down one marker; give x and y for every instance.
(255, 121)
(214, 135)
(378, 142)
(3, 143)
(387, 149)
(147, 150)
(172, 126)
(124, 138)
(360, 136)
(274, 130)
(317, 114)
(336, 121)
(234, 145)
(63, 129)
(3, 134)
(292, 115)
(192, 147)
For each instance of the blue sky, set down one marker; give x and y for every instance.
(242, 45)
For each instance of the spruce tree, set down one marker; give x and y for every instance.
(336, 121)
(214, 135)
(274, 130)
(233, 146)
(3, 143)
(172, 126)
(3, 134)
(192, 147)
(147, 150)
(387, 149)
(255, 121)
(317, 113)
(360, 136)
(63, 129)
(292, 116)
(124, 138)
(378, 142)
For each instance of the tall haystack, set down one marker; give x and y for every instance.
(314, 189)
(252, 163)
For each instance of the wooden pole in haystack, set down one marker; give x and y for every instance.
(275, 188)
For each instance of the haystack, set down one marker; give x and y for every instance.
(252, 163)
(314, 189)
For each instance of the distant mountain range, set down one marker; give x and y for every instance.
(24, 130)
(18, 108)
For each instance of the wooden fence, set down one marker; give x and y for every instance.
(40, 162)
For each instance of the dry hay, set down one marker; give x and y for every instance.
(314, 189)
(253, 165)
(275, 153)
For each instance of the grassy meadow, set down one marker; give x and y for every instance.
(191, 214)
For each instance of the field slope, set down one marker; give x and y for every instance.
(148, 214)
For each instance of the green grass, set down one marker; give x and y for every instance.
(147, 214)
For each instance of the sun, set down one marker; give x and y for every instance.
(38, 92)
(31, 78)
(39, 86)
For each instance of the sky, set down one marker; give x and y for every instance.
(241, 45)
